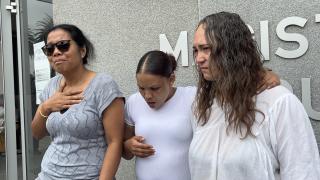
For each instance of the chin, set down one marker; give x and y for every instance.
(208, 78)
(155, 107)
(60, 70)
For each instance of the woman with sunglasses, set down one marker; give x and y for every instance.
(158, 120)
(81, 110)
(239, 134)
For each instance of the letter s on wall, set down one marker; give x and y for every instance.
(293, 37)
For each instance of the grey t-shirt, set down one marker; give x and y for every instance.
(78, 140)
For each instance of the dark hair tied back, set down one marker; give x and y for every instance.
(157, 63)
(77, 36)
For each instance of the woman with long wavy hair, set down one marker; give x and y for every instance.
(239, 133)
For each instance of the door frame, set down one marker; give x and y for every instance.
(9, 95)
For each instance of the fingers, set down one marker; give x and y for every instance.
(137, 142)
(263, 86)
(269, 83)
(72, 97)
(74, 92)
(271, 79)
(272, 84)
(143, 149)
(71, 102)
(61, 101)
(142, 146)
(142, 154)
(140, 149)
(69, 99)
(138, 138)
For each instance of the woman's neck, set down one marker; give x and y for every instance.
(172, 92)
(76, 77)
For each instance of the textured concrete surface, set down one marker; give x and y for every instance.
(291, 70)
(122, 31)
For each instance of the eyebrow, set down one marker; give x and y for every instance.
(201, 46)
(59, 41)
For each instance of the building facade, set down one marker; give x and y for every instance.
(287, 31)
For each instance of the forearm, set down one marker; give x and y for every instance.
(126, 153)
(38, 124)
(111, 161)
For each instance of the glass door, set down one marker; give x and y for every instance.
(2, 126)
(22, 25)
(34, 18)
(9, 153)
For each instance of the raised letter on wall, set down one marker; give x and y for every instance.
(264, 40)
(306, 99)
(180, 48)
(294, 37)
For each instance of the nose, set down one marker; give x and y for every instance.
(200, 58)
(147, 95)
(56, 51)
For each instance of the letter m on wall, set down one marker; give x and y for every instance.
(180, 48)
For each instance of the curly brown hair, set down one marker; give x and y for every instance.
(238, 61)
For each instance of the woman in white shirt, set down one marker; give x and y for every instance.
(237, 133)
(158, 120)
(158, 129)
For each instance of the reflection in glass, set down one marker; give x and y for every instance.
(2, 129)
(39, 21)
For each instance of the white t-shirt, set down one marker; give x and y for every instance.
(284, 147)
(168, 130)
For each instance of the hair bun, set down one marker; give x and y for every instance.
(173, 62)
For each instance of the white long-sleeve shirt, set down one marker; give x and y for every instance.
(284, 147)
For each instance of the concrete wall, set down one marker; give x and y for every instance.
(122, 31)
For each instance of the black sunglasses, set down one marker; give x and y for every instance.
(62, 46)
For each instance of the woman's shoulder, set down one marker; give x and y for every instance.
(135, 97)
(187, 91)
(54, 81)
(277, 96)
(103, 79)
(274, 93)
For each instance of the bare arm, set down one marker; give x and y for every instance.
(113, 122)
(128, 133)
(38, 124)
(135, 146)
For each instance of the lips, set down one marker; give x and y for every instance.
(203, 69)
(151, 104)
(59, 61)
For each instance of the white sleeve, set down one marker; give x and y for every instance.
(128, 120)
(191, 93)
(296, 146)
